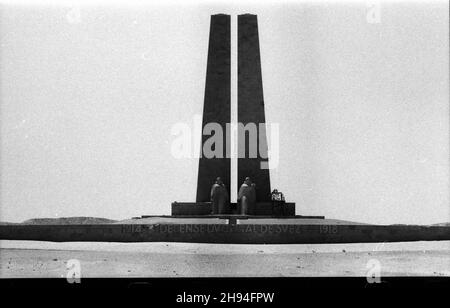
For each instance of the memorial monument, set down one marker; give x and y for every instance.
(217, 109)
(193, 221)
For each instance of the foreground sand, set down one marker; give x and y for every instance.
(20, 259)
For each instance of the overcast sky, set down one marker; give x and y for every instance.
(89, 93)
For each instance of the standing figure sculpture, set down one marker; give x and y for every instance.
(219, 197)
(247, 197)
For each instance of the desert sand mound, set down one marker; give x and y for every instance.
(68, 221)
(442, 224)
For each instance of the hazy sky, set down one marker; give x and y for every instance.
(89, 93)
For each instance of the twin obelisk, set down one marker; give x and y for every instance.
(217, 107)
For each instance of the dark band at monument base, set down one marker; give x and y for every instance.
(224, 233)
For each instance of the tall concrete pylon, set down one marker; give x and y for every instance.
(216, 108)
(251, 106)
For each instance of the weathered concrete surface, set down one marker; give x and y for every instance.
(251, 106)
(213, 231)
(191, 208)
(216, 108)
(20, 259)
(204, 208)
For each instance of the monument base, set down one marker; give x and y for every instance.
(220, 231)
(205, 208)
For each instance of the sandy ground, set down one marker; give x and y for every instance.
(46, 259)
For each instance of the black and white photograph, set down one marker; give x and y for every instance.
(205, 144)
